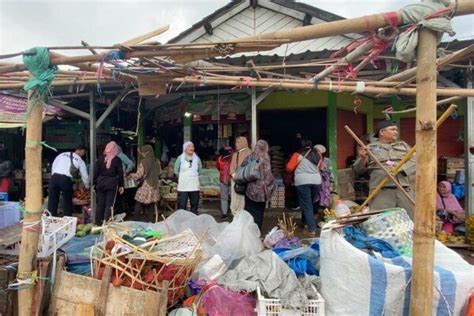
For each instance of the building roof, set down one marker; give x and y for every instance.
(242, 18)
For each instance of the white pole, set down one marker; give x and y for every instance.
(254, 117)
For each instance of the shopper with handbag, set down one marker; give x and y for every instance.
(307, 182)
(242, 151)
(148, 177)
(187, 167)
(260, 190)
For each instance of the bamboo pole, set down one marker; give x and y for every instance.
(305, 85)
(349, 58)
(405, 158)
(33, 202)
(144, 37)
(355, 25)
(57, 59)
(421, 300)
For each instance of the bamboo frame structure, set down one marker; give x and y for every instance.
(136, 55)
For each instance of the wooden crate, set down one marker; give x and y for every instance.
(8, 299)
(80, 295)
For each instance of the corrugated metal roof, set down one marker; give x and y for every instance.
(241, 19)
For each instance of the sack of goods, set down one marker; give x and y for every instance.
(377, 279)
(277, 158)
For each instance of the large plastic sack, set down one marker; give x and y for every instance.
(378, 286)
(238, 240)
(217, 301)
(203, 226)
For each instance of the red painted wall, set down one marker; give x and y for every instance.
(345, 143)
(448, 144)
(448, 133)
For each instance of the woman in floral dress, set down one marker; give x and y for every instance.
(148, 172)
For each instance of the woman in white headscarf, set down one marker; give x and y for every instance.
(187, 168)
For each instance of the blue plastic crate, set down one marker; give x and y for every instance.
(4, 196)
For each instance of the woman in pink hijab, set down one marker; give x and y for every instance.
(108, 181)
(448, 208)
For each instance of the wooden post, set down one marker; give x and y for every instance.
(92, 148)
(421, 301)
(332, 132)
(33, 201)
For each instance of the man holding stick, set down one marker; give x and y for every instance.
(389, 151)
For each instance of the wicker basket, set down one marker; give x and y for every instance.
(394, 226)
(147, 266)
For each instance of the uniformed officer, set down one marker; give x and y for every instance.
(389, 151)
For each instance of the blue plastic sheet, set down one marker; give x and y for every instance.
(302, 260)
(77, 252)
(361, 241)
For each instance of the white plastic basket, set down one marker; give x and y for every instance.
(55, 232)
(273, 307)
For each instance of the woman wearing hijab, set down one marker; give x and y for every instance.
(237, 201)
(307, 182)
(187, 168)
(108, 180)
(148, 171)
(260, 191)
(448, 208)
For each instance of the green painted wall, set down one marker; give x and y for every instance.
(284, 100)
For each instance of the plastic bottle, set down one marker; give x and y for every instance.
(342, 209)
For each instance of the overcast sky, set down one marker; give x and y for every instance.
(29, 23)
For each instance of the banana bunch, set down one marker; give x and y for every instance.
(470, 230)
(446, 238)
(329, 214)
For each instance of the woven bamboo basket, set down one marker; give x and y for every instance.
(147, 266)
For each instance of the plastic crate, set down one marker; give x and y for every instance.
(3, 196)
(273, 307)
(9, 214)
(55, 232)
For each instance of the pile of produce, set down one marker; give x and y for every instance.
(85, 229)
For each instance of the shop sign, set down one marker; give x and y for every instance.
(13, 110)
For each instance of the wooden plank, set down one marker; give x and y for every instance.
(104, 292)
(151, 86)
(84, 310)
(71, 290)
(10, 235)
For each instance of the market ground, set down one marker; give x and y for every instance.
(271, 220)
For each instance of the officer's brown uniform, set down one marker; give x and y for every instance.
(389, 154)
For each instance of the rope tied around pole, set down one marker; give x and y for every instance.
(37, 62)
(34, 144)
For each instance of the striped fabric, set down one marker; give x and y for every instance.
(355, 283)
